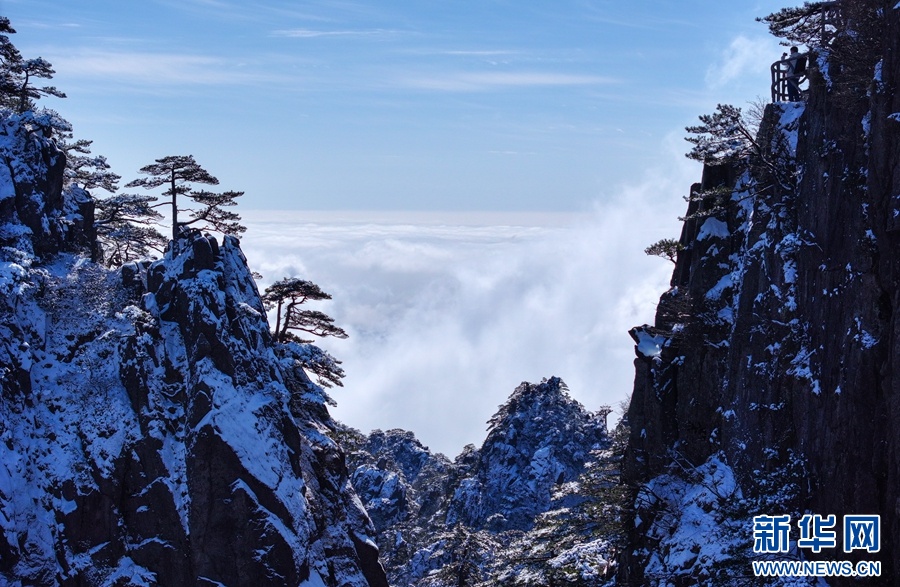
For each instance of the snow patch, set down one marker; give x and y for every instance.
(719, 288)
(713, 228)
(863, 337)
(314, 580)
(649, 345)
(801, 368)
(692, 534)
(129, 572)
(789, 122)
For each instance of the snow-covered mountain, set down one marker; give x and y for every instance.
(472, 519)
(150, 434)
(540, 438)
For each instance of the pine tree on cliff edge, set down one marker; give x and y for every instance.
(179, 172)
(285, 297)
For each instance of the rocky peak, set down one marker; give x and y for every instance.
(39, 217)
(425, 508)
(539, 438)
(399, 480)
(401, 450)
(149, 437)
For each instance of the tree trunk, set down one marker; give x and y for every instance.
(174, 209)
(278, 322)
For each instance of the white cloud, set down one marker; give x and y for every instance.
(481, 81)
(446, 318)
(479, 52)
(314, 34)
(744, 57)
(154, 69)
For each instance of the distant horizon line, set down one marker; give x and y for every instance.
(416, 217)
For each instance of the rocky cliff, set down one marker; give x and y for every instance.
(151, 435)
(767, 384)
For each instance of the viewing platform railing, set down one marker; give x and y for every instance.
(783, 77)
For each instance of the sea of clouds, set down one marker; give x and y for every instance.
(448, 312)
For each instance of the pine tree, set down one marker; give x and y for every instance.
(177, 172)
(285, 297)
(9, 59)
(124, 225)
(212, 216)
(729, 138)
(85, 170)
(666, 248)
(27, 93)
(802, 25)
(722, 137)
(17, 74)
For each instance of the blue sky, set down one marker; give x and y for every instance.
(424, 105)
(473, 181)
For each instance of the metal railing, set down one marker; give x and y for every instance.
(786, 83)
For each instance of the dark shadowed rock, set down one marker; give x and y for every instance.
(779, 337)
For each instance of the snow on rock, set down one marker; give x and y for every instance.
(36, 217)
(724, 284)
(787, 329)
(789, 122)
(149, 436)
(590, 561)
(713, 228)
(695, 537)
(647, 344)
(539, 438)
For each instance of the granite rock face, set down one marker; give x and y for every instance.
(778, 339)
(151, 435)
(39, 216)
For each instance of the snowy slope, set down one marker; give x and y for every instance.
(147, 433)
